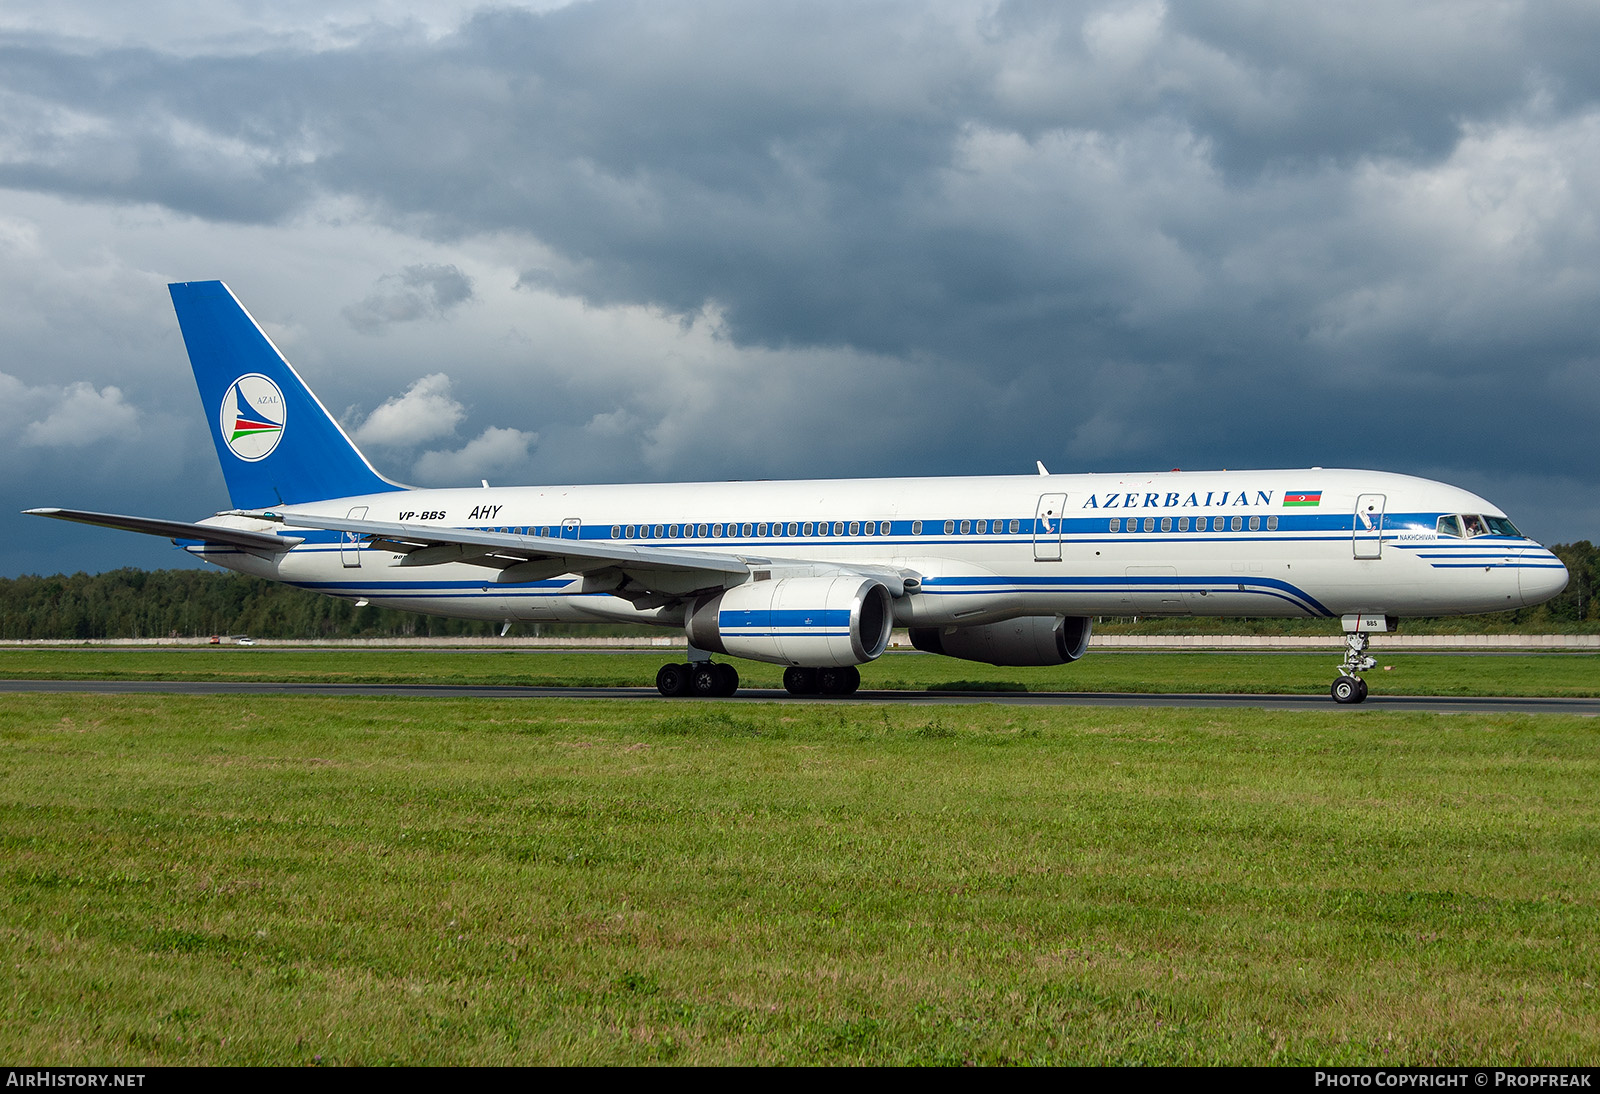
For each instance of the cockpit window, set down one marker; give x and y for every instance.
(1500, 526)
(1474, 525)
(1450, 526)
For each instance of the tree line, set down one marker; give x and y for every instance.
(131, 603)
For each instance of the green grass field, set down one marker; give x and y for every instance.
(1547, 674)
(293, 880)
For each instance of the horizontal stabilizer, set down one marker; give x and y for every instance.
(175, 529)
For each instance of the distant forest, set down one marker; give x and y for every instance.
(196, 603)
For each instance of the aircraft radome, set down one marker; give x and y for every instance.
(813, 574)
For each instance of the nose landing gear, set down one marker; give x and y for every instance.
(1349, 687)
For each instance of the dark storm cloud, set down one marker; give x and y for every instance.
(1207, 233)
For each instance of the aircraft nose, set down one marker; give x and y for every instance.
(1540, 576)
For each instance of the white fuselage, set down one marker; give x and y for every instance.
(1226, 543)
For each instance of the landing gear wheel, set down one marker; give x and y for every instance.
(1363, 684)
(1348, 689)
(839, 681)
(673, 680)
(727, 680)
(800, 681)
(705, 680)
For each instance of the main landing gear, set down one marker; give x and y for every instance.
(706, 680)
(831, 681)
(1350, 688)
(701, 678)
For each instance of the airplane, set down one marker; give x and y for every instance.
(814, 574)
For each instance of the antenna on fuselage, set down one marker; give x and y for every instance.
(1040, 465)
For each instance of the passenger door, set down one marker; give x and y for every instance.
(350, 542)
(1047, 527)
(1367, 538)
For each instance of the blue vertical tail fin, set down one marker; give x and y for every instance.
(277, 442)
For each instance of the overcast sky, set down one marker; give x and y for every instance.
(617, 241)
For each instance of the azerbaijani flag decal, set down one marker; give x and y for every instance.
(1302, 497)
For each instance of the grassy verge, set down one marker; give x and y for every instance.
(207, 880)
(1112, 671)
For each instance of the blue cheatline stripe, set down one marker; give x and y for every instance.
(1226, 583)
(742, 618)
(1466, 554)
(1487, 565)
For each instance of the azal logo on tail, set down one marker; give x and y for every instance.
(252, 417)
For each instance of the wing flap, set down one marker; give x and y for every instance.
(503, 549)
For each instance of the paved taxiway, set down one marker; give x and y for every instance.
(1442, 705)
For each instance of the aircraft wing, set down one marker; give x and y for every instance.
(431, 544)
(175, 529)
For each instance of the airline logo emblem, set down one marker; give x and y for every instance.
(1303, 497)
(252, 417)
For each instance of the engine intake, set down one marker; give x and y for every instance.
(1028, 640)
(816, 622)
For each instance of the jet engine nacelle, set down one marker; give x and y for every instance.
(817, 622)
(1028, 640)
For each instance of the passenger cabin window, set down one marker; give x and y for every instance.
(1149, 524)
(1255, 524)
(745, 530)
(1166, 524)
(1238, 523)
(1272, 524)
(966, 527)
(1016, 525)
(1116, 524)
(949, 527)
(616, 531)
(916, 527)
(1183, 524)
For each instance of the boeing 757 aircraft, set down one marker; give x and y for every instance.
(813, 574)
